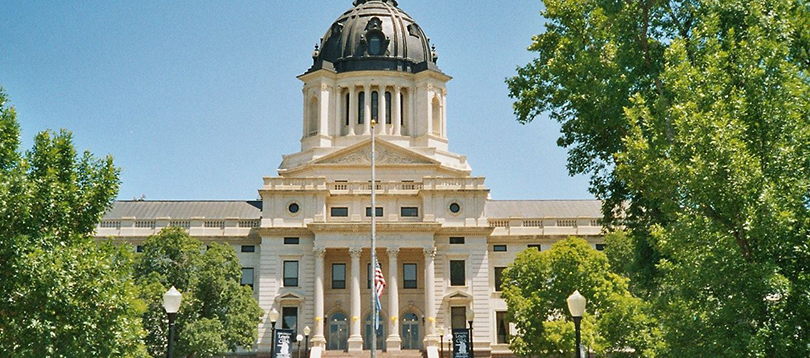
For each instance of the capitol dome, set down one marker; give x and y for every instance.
(375, 35)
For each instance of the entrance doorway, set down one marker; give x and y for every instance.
(380, 333)
(338, 339)
(410, 332)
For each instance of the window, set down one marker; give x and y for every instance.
(458, 317)
(139, 248)
(409, 212)
(379, 212)
(457, 274)
(289, 318)
(375, 45)
(498, 281)
(387, 107)
(290, 273)
(375, 106)
(348, 109)
(370, 275)
(402, 109)
(501, 328)
(247, 276)
(340, 212)
(499, 248)
(291, 241)
(293, 208)
(455, 208)
(536, 246)
(338, 276)
(456, 241)
(600, 247)
(248, 248)
(408, 275)
(361, 107)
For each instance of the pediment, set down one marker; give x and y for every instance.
(386, 154)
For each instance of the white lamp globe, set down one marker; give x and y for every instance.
(273, 315)
(470, 315)
(576, 304)
(171, 300)
(307, 330)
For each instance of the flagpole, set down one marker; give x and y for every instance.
(374, 313)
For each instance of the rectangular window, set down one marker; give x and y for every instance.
(388, 106)
(456, 241)
(498, 280)
(499, 248)
(600, 247)
(409, 212)
(348, 108)
(379, 212)
(361, 107)
(458, 317)
(375, 106)
(338, 276)
(247, 276)
(289, 318)
(536, 246)
(248, 248)
(340, 212)
(370, 276)
(402, 109)
(408, 275)
(290, 273)
(501, 328)
(291, 241)
(457, 273)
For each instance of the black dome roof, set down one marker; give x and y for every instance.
(374, 35)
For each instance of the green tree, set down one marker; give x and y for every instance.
(61, 293)
(217, 313)
(696, 114)
(537, 285)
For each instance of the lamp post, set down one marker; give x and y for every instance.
(273, 316)
(576, 305)
(470, 317)
(306, 341)
(171, 302)
(449, 338)
(441, 338)
(299, 338)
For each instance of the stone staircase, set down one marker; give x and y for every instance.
(367, 354)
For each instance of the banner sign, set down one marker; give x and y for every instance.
(461, 343)
(283, 343)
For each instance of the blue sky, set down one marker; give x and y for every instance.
(199, 99)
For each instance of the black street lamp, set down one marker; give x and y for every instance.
(441, 338)
(171, 302)
(576, 305)
(273, 316)
(470, 317)
(306, 341)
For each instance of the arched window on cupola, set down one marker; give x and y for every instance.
(348, 109)
(361, 107)
(437, 116)
(388, 107)
(375, 106)
(312, 121)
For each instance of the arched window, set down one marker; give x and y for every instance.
(437, 117)
(348, 108)
(375, 106)
(402, 109)
(387, 107)
(361, 107)
(312, 123)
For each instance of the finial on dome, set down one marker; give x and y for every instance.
(434, 54)
(316, 53)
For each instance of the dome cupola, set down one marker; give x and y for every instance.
(375, 35)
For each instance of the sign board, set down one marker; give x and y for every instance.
(461, 343)
(283, 343)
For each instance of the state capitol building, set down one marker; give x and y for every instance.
(441, 241)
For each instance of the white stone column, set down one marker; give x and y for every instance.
(430, 297)
(444, 113)
(394, 341)
(367, 109)
(397, 111)
(339, 111)
(355, 335)
(318, 339)
(383, 113)
(352, 108)
(410, 123)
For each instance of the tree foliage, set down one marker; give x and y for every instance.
(61, 293)
(696, 114)
(537, 285)
(217, 313)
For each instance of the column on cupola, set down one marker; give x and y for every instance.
(397, 111)
(355, 337)
(338, 111)
(410, 125)
(430, 296)
(444, 112)
(429, 109)
(383, 113)
(352, 108)
(318, 339)
(367, 109)
(323, 119)
(393, 342)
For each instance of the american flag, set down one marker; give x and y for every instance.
(379, 281)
